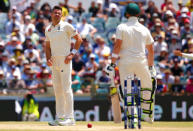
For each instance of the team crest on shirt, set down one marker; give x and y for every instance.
(49, 30)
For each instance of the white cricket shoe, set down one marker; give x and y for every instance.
(56, 122)
(67, 122)
(148, 119)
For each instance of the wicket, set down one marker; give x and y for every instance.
(135, 96)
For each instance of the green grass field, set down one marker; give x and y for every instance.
(96, 126)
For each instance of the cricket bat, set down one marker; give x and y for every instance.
(116, 109)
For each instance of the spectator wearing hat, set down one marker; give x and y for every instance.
(91, 67)
(11, 68)
(10, 46)
(158, 30)
(163, 57)
(168, 78)
(71, 21)
(161, 87)
(40, 74)
(11, 24)
(45, 81)
(18, 52)
(16, 32)
(186, 29)
(174, 44)
(28, 24)
(113, 10)
(102, 48)
(15, 82)
(158, 45)
(32, 83)
(34, 36)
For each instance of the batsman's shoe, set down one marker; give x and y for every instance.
(67, 122)
(148, 119)
(56, 122)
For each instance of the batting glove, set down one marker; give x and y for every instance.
(110, 71)
(152, 71)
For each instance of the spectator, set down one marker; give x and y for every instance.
(168, 79)
(12, 45)
(93, 9)
(177, 87)
(15, 82)
(189, 86)
(86, 29)
(3, 83)
(158, 45)
(29, 108)
(11, 24)
(78, 65)
(174, 44)
(91, 67)
(76, 83)
(45, 81)
(31, 83)
(176, 69)
(161, 87)
(189, 4)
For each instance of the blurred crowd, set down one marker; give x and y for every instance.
(22, 57)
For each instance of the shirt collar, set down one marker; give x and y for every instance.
(57, 24)
(133, 19)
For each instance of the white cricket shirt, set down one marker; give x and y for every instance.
(134, 38)
(60, 38)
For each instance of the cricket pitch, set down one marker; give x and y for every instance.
(96, 126)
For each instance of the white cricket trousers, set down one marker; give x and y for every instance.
(141, 70)
(61, 77)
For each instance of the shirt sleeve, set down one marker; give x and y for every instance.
(149, 39)
(119, 33)
(91, 27)
(71, 30)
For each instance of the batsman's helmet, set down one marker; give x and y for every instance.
(132, 9)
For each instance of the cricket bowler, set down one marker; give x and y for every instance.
(132, 40)
(58, 55)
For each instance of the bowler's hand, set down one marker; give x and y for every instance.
(177, 53)
(49, 62)
(68, 58)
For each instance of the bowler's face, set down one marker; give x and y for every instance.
(56, 14)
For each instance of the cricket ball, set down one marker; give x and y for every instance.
(89, 125)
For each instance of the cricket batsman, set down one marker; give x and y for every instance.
(58, 55)
(132, 40)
